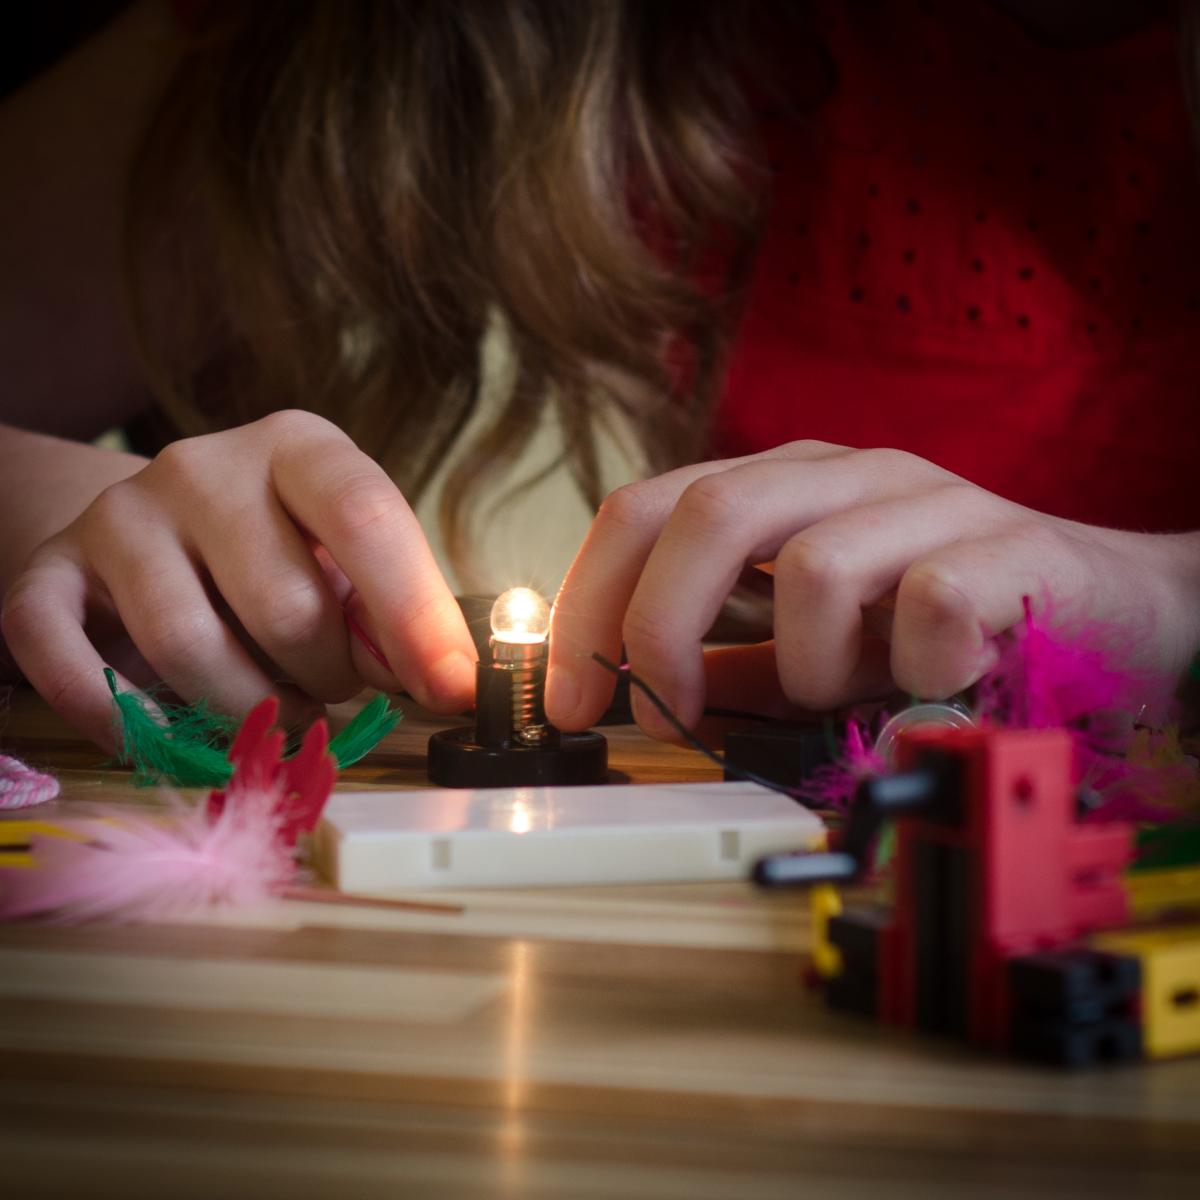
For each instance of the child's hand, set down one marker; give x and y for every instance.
(861, 540)
(222, 569)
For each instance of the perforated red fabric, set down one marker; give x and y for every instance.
(985, 251)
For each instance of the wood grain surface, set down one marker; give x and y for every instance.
(585, 1042)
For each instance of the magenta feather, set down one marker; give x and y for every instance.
(1056, 670)
(151, 867)
(833, 785)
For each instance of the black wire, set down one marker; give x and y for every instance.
(692, 740)
(735, 714)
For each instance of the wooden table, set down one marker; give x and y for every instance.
(584, 1042)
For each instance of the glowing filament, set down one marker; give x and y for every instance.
(521, 617)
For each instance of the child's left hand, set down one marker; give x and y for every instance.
(852, 535)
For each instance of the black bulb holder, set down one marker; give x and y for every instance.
(511, 743)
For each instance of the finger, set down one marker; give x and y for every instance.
(954, 601)
(600, 584)
(165, 608)
(43, 625)
(369, 661)
(746, 679)
(829, 575)
(275, 587)
(721, 523)
(334, 575)
(347, 502)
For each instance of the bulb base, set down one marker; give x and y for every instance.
(457, 759)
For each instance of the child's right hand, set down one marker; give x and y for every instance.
(225, 568)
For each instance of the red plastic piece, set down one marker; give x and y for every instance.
(1038, 879)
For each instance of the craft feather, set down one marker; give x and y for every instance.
(832, 786)
(1058, 672)
(370, 726)
(157, 866)
(187, 746)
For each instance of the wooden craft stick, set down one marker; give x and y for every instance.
(320, 895)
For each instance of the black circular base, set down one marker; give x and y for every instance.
(457, 760)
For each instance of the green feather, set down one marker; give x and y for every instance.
(1167, 847)
(187, 745)
(187, 750)
(372, 724)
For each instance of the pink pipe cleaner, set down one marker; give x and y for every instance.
(22, 787)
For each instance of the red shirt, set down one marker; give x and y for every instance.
(987, 252)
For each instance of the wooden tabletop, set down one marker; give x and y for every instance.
(559, 1043)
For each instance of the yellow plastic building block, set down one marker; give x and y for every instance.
(1170, 960)
(1155, 892)
(824, 901)
(16, 833)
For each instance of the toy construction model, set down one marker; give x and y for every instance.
(1015, 923)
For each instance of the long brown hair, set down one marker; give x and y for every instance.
(376, 180)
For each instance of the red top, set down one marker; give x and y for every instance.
(987, 252)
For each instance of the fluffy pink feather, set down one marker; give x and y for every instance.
(156, 866)
(833, 785)
(1056, 670)
(21, 786)
(235, 848)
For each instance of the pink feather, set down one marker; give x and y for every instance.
(1061, 671)
(1055, 670)
(153, 867)
(21, 786)
(833, 785)
(235, 848)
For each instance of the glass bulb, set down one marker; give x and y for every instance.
(520, 616)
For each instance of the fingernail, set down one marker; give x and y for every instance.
(450, 679)
(651, 721)
(562, 694)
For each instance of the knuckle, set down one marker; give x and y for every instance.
(361, 505)
(936, 591)
(648, 633)
(807, 448)
(886, 460)
(289, 423)
(19, 610)
(172, 638)
(293, 616)
(186, 467)
(713, 504)
(805, 565)
(113, 508)
(182, 457)
(630, 508)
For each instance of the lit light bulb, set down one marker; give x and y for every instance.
(511, 743)
(520, 617)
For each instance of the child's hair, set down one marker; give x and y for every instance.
(337, 197)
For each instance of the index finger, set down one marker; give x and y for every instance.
(600, 584)
(43, 624)
(347, 502)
